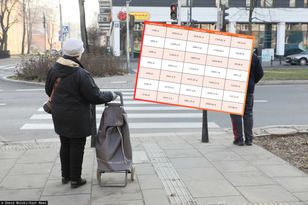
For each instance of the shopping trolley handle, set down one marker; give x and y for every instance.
(121, 97)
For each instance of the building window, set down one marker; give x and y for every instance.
(266, 3)
(292, 3)
(223, 2)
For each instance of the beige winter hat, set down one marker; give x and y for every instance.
(73, 47)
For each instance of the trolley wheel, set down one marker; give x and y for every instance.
(132, 173)
(98, 175)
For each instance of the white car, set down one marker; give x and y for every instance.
(300, 58)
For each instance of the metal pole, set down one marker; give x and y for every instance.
(179, 12)
(127, 37)
(45, 32)
(205, 131)
(61, 24)
(190, 12)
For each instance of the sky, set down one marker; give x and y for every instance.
(70, 11)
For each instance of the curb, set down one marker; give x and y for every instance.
(6, 78)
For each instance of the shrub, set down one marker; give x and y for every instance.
(35, 68)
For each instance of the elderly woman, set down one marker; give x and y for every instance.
(71, 99)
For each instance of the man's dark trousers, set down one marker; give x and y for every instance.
(248, 121)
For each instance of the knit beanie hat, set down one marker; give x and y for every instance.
(73, 47)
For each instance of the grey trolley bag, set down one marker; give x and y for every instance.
(113, 146)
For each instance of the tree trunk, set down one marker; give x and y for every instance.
(29, 29)
(251, 8)
(24, 28)
(83, 29)
(5, 38)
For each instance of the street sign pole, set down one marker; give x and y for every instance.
(61, 25)
(127, 36)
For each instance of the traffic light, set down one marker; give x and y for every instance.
(174, 11)
(224, 14)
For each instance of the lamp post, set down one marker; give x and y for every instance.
(61, 24)
(127, 36)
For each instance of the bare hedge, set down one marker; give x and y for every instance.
(35, 68)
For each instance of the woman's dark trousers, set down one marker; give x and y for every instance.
(71, 156)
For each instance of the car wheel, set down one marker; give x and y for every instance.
(302, 61)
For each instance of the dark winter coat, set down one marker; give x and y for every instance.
(256, 73)
(72, 98)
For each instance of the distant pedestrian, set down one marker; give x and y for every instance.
(70, 104)
(256, 73)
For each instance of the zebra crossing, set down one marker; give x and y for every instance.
(143, 117)
(8, 67)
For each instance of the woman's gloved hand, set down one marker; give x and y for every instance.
(114, 96)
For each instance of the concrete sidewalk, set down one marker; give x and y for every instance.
(173, 169)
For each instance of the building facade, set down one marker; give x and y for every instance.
(281, 25)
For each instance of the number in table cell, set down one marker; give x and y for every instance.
(234, 108)
(211, 93)
(231, 96)
(197, 36)
(147, 84)
(169, 87)
(152, 52)
(190, 90)
(215, 50)
(153, 41)
(195, 58)
(237, 75)
(153, 30)
(173, 77)
(243, 43)
(236, 86)
(195, 47)
(210, 82)
(148, 73)
(193, 69)
(176, 33)
(238, 64)
(217, 61)
(173, 55)
(147, 62)
(238, 53)
(215, 72)
(189, 79)
(167, 97)
(189, 101)
(175, 44)
(174, 66)
(218, 39)
(146, 95)
(210, 104)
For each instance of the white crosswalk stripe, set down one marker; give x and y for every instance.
(143, 117)
(8, 67)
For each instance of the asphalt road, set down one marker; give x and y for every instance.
(274, 105)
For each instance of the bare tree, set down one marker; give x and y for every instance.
(24, 17)
(251, 8)
(6, 20)
(83, 28)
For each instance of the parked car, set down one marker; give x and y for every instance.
(300, 58)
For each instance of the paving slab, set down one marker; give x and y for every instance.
(11, 155)
(23, 182)
(80, 199)
(234, 166)
(182, 153)
(200, 174)
(236, 200)
(155, 196)
(21, 194)
(32, 168)
(284, 170)
(294, 184)
(268, 193)
(222, 156)
(215, 188)
(144, 169)
(182, 163)
(303, 196)
(150, 182)
(248, 178)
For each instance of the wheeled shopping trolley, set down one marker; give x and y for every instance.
(113, 146)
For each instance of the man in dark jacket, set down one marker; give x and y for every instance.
(70, 104)
(256, 73)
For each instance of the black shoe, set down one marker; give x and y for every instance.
(248, 142)
(65, 180)
(238, 142)
(76, 184)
